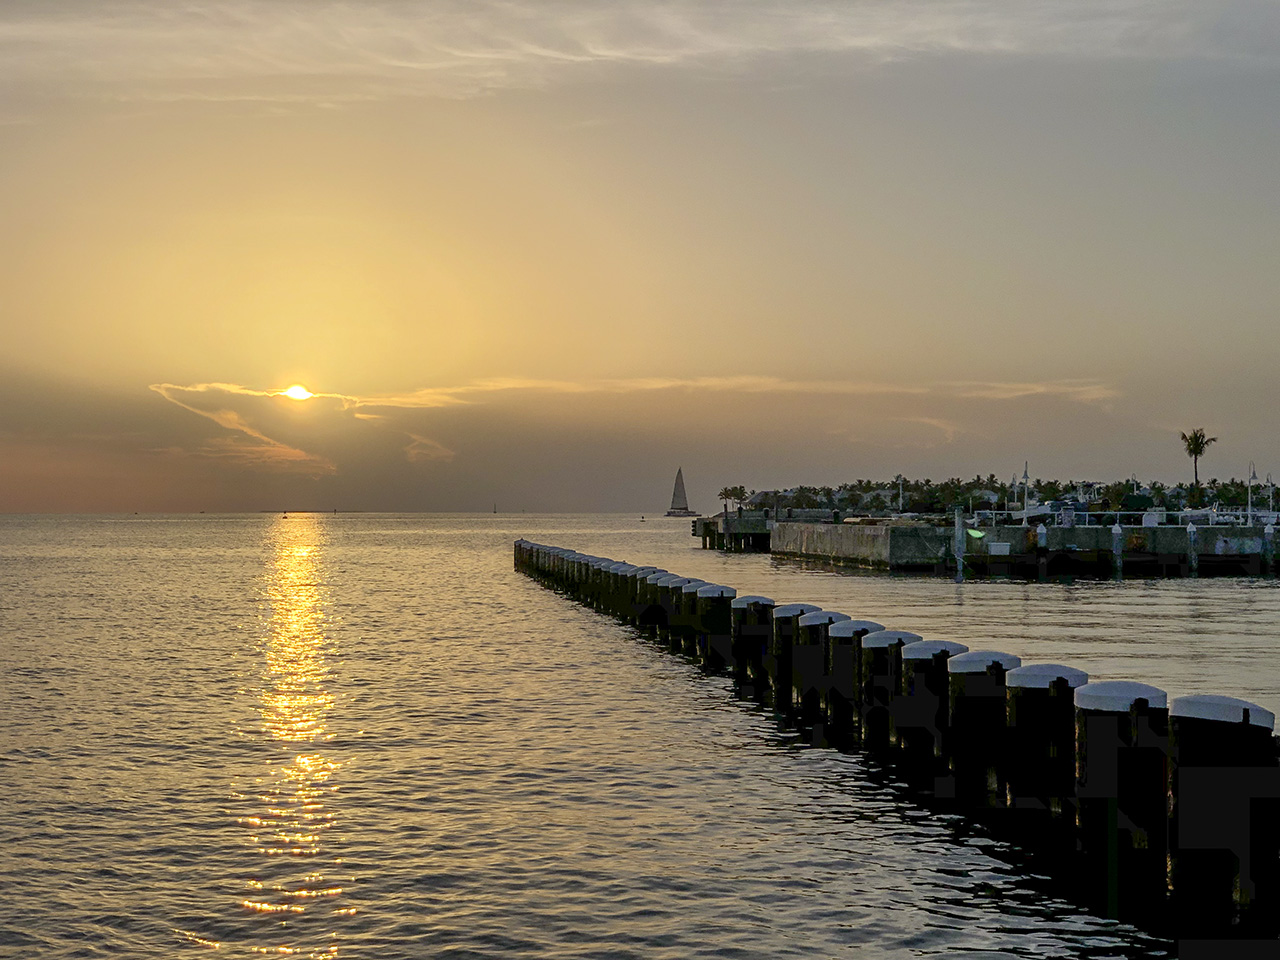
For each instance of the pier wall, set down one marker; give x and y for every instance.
(1165, 550)
(882, 546)
(1164, 814)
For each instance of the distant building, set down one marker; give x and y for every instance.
(679, 500)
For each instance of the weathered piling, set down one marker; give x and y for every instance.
(752, 634)
(667, 602)
(1122, 738)
(1224, 820)
(976, 727)
(684, 620)
(714, 624)
(920, 714)
(844, 678)
(1040, 768)
(777, 662)
(652, 613)
(809, 667)
(635, 586)
(881, 679)
(1143, 807)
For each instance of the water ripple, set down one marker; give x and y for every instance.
(366, 736)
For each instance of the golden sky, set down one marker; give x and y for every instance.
(541, 254)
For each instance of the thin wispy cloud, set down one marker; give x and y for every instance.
(253, 417)
(248, 444)
(336, 51)
(947, 428)
(1078, 391)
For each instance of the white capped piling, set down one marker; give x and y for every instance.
(752, 634)
(652, 612)
(635, 586)
(809, 667)
(617, 598)
(976, 726)
(777, 664)
(919, 714)
(669, 592)
(844, 678)
(1224, 824)
(715, 624)
(880, 680)
(1122, 742)
(593, 586)
(1040, 767)
(684, 621)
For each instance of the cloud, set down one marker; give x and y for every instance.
(330, 52)
(1078, 391)
(423, 449)
(947, 428)
(268, 431)
(248, 444)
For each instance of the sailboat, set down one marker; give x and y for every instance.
(679, 500)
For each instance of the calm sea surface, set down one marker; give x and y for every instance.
(365, 735)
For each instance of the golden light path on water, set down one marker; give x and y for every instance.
(292, 834)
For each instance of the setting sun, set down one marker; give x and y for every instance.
(298, 392)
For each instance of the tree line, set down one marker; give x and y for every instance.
(908, 495)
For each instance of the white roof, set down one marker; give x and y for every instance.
(1208, 706)
(1042, 676)
(794, 610)
(1118, 695)
(716, 590)
(977, 661)
(887, 638)
(928, 649)
(847, 628)
(822, 616)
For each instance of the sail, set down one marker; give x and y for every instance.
(679, 501)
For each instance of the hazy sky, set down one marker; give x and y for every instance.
(541, 254)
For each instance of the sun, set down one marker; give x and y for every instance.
(297, 392)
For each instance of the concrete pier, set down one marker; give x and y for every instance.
(1167, 816)
(1164, 550)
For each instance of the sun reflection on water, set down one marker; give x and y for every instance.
(292, 833)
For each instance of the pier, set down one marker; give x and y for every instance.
(1164, 813)
(977, 546)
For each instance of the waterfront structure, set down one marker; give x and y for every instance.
(1163, 814)
(1202, 544)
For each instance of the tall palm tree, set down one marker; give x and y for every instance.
(725, 495)
(1196, 442)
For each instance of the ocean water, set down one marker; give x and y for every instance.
(367, 736)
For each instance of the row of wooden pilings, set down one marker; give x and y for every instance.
(1163, 814)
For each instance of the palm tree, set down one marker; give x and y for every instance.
(725, 495)
(1196, 442)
